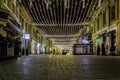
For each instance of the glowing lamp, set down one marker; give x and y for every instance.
(98, 40)
(84, 41)
(26, 36)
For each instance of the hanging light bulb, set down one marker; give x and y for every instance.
(99, 3)
(20, 1)
(31, 3)
(47, 4)
(66, 3)
(14, 1)
(83, 3)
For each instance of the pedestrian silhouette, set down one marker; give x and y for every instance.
(103, 49)
(98, 50)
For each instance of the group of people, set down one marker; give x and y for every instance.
(102, 49)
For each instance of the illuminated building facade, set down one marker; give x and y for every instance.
(23, 31)
(105, 28)
(17, 34)
(9, 28)
(118, 28)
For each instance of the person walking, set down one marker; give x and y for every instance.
(98, 50)
(103, 49)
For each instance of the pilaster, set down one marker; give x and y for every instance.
(118, 28)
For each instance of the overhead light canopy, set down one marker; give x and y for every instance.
(61, 19)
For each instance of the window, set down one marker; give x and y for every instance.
(22, 24)
(29, 28)
(98, 23)
(26, 27)
(113, 13)
(12, 7)
(92, 30)
(9, 4)
(3, 15)
(0, 3)
(39, 39)
(17, 9)
(104, 18)
(95, 26)
(34, 34)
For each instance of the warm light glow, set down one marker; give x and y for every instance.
(26, 36)
(58, 20)
(84, 41)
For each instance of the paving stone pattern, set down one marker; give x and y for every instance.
(61, 67)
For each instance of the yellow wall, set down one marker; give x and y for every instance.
(118, 29)
(118, 33)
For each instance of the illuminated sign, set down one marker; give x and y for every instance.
(26, 36)
(98, 40)
(84, 41)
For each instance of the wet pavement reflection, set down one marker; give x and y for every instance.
(61, 67)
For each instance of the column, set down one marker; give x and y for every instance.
(118, 28)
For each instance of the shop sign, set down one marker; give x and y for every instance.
(26, 36)
(98, 40)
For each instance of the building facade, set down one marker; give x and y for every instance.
(9, 28)
(17, 34)
(105, 28)
(118, 28)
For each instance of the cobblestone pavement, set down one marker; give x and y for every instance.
(61, 67)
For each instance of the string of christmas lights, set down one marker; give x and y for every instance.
(61, 17)
(91, 13)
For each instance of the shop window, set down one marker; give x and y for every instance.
(113, 41)
(10, 45)
(3, 15)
